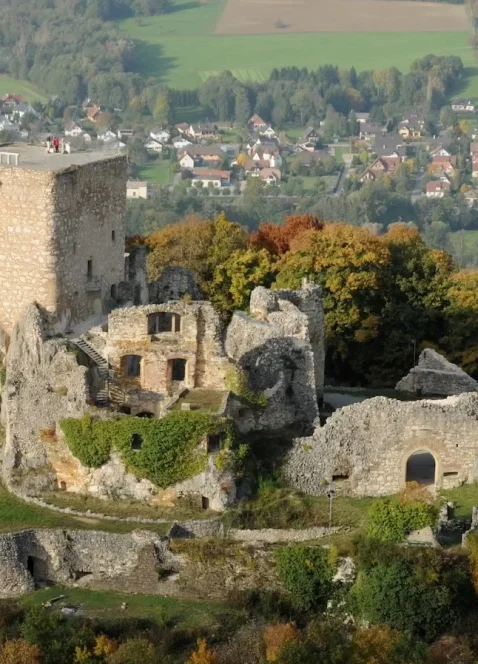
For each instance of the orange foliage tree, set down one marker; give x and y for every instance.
(18, 651)
(275, 638)
(203, 655)
(276, 239)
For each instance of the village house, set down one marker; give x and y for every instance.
(309, 159)
(272, 157)
(269, 133)
(182, 127)
(211, 177)
(93, 113)
(371, 131)
(409, 128)
(270, 175)
(10, 100)
(437, 189)
(463, 105)
(390, 145)
(23, 108)
(6, 124)
(439, 151)
(180, 143)
(153, 146)
(381, 166)
(138, 189)
(362, 118)
(471, 197)
(72, 129)
(106, 136)
(445, 164)
(161, 135)
(195, 155)
(125, 133)
(204, 130)
(256, 123)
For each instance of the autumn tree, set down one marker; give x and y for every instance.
(19, 651)
(461, 336)
(203, 655)
(275, 638)
(134, 651)
(277, 238)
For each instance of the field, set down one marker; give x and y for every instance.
(184, 48)
(28, 91)
(156, 173)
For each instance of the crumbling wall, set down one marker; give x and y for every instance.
(90, 558)
(436, 376)
(366, 446)
(44, 383)
(280, 346)
(175, 283)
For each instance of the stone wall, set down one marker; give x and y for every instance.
(196, 339)
(436, 376)
(130, 562)
(51, 225)
(281, 348)
(366, 446)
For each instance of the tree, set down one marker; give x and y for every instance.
(277, 238)
(134, 651)
(203, 655)
(306, 574)
(242, 106)
(275, 638)
(19, 651)
(162, 108)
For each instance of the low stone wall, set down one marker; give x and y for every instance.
(277, 536)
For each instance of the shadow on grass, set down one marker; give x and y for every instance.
(151, 60)
(185, 5)
(469, 73)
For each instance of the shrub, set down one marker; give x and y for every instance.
(421, 591)
(236, 382)
(306, 574)
(275, 638)
(391, 520)
(163, 451)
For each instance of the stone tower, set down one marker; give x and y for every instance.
(62, 232)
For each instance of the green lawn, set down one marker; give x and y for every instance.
(182, 50)
(463, 246)
(106, 605)
(465, 498)
(17, 515)
(157, 173)
(28, 91)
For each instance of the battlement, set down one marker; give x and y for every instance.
(33, 157)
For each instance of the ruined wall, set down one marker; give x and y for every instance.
(44, 383)
(370, 443)
(51, 224)
(197, 341)
(281, 348)
(436, 376)
(88, 558)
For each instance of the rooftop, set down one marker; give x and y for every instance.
(37, 158)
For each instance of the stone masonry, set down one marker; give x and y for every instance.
(364, 448)
(436, 376)
(62, 229)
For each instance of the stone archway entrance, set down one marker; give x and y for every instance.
(421, 468)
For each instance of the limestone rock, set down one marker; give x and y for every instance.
(436, 376)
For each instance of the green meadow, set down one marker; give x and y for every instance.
(181, 49)
(28, 91)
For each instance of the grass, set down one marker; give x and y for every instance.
(158, 173)
(106, 605)
(463, 246)
(123, 508)
(15, 514)
(28, 91)
(465, 498)
(181, 49)
(200, 399)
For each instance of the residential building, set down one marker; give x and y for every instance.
(210, 155)
(211, 177)
(92, 113)
(182, 127)
(371, 131)
(153, 146)
(390, 145)
(270, 175)
(138, 189)
(463, 105)
(256, 123)
(445, 164)
(362, 118)
(180, 143)
(269, 133)
(437, 189)
(125, 132)
(204, 130)
(72, 129)
(439, 151)
(471, 197)
(107, 136)
(161, 135)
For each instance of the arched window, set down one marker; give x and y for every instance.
(131, 365)
(421, 468)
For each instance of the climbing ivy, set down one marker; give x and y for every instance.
(236, 381)
(166, 450)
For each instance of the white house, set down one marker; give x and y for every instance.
(22, 109)
(471, 197)
(6, 124)
(107, 136)
(186, 160)
(137, 189)
(72, 129)
(211, 177)
(269, 132)
(270, 175)
(463, 105)
(179, 143)
(153, 146)
(160, 135)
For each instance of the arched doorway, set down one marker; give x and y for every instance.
(421, 468)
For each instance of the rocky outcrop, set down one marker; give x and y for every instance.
(280, 347)
(436, 376)
(132, 562)
(363, 449)
(44, 383)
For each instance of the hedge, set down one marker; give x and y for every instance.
(168, 448)
(390, 520)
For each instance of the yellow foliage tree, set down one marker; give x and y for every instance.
(104, 646)
(18, 651)
(374, 645)
(203, 655)
(275, 638)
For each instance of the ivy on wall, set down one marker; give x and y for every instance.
(163, 451)
(236, 382)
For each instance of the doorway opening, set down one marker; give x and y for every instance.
(421, 468)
